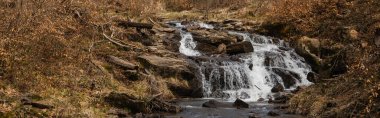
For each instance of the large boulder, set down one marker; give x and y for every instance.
(206, 48)
(288, 77)
(312, 77)
(240, 104)
(211, 104)
(215, 104)
(167, 67)
(212, 37)
(241, 47)
(171, 41)
(174, 68)
(309, 48)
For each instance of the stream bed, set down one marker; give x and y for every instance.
(192, 108)
(244, 66)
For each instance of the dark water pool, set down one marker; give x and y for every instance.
(193, 109)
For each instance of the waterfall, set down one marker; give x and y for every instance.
(273, 62)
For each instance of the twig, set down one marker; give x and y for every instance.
(152, 21)
(115, 42)
(257, 87)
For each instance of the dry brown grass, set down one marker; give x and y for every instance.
(356, 92)
(326, 18)
(45, 50)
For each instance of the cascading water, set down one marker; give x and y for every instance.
(187, 43)
(253, 75)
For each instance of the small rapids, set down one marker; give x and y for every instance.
(248, 76)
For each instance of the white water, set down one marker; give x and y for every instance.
(188, 45)
(229, 79)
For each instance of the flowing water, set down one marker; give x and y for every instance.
(250, 77)
(254, 75)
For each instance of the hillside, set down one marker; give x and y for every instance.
(79, 58)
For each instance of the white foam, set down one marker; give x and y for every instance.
(188, 45)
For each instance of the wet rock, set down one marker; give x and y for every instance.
(261, 100)
(272, 113)
(250, 66)
(220, 94)
(212, 104)
(239, 38)
(206, 48)
(171, 41)
(185, 23)
(193, 27)
(312, 77)
(212, 37)
(288, 77)
(274, 60)
(241, 47)
(240, 104)
(277, 88)
(244, 95)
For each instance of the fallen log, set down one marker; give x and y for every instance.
(122, 63)
(128, 24)
(35, 104)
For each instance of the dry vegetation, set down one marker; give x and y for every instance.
(356, 93)
(54, 49)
